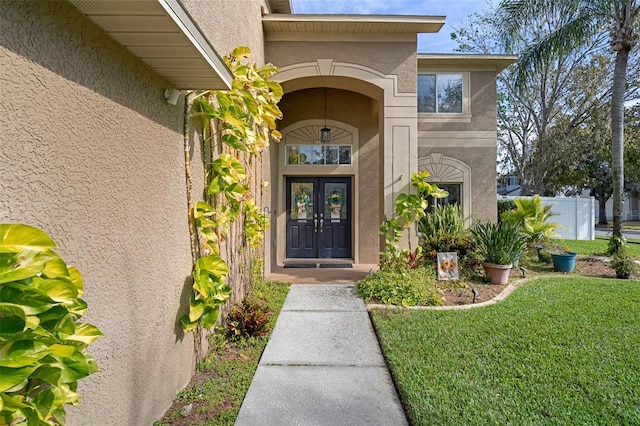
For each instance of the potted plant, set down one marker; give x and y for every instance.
(564, 260)
(498, 245)
(624, 265)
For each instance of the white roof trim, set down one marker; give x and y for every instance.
(465, 60)
(162, 34)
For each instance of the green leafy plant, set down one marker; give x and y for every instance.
(616, 245)
(624, 264)
(248, 319)
(401, 286)
(409, 209)
(443, 230)
(505, 206)
(498, 244)
(532, 218)
(42, 346)
(447, 220)
(238, 123)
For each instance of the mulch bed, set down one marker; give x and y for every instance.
(588, 267)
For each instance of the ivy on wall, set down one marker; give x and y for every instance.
(42, 345)
(235, 127)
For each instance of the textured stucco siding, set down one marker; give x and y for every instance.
(483, 177)
(91, 153)
(474, 143)
(398, 59)
(228, 24)
(482, 105)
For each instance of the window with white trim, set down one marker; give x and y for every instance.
(318, 155)
(440, 93)
(454, 197)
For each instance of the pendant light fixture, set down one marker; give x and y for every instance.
(325, 132)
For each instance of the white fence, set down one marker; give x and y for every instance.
(575, 215)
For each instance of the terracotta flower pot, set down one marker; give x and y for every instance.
(499, 274)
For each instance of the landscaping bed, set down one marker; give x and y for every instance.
(587, 266)
(215, 393)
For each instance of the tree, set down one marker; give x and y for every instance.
(564, 90)
(585, 20)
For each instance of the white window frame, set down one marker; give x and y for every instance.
(465, 115)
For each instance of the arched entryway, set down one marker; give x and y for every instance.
(369, 117)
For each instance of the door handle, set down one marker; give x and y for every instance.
(321, 223)
(315, 225)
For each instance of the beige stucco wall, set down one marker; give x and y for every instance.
(397, 59)
(91, 153)
(228, 24)
(472, 142)
(482, 104)
(361, 112)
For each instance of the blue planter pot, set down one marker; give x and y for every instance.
(564, 262)
(543, 256)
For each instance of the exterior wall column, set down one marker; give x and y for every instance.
(400, 144)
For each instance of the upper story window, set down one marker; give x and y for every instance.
(440, 93)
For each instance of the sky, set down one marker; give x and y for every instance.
(456, 12)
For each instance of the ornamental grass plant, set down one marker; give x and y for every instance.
(498, 244)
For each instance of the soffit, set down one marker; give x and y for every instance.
(280, 6)
(348, 27)
(464, 62)
(162, 34)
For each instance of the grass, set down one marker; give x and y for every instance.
(223, 379)
(598, 246)
(558, 351)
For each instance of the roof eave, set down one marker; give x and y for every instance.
(178, 40)
(471, 61)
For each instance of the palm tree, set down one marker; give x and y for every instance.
(586, 19)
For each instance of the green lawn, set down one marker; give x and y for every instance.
(598, 246)
(558, 351)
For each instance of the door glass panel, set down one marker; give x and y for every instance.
(302, 200)
(335, 201)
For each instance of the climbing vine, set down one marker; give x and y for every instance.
(43, 346)
(235, 127)
(409, 209)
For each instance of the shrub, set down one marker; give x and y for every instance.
(624, 264)
(402, 287)
(616, 245)
(532, 219)
(463, 245)
(443, 220)
(42, 347)
(443, 231)
(505, 206)
(248, 318)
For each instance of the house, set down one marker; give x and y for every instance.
(509, 185)
(92, 152)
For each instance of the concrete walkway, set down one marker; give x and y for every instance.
(322, 365)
